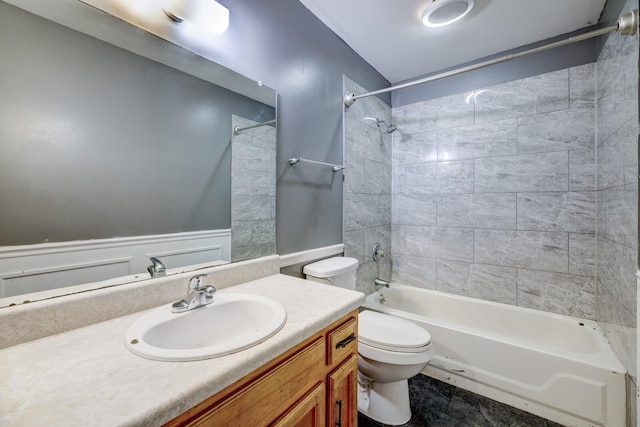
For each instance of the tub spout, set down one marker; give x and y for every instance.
(380, 282)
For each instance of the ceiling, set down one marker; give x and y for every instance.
(390, 36)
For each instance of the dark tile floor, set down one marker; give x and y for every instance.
(438, 404)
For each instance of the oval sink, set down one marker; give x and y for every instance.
(231, 323)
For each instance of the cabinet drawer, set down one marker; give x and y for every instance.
(261, 401)
(342, 341)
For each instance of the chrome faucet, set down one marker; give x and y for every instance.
(199, 295)
(156, 269)
(380, 282)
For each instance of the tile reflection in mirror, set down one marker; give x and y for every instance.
(253, 190)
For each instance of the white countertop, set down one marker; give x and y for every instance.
(87, 377)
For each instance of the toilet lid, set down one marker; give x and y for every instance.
(331, 267)
(391, 333)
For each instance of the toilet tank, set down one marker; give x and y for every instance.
(337, 271)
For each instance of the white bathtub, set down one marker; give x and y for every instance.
(558, 367)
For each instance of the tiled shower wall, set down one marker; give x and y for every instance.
(367, 187)
(253, 191)
(617, 197)
(494, 193)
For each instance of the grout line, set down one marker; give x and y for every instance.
(568, 88)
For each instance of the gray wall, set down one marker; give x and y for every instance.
(98, 142)
(286, 47)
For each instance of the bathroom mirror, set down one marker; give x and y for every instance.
(118, 145)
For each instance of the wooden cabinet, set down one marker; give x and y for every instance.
(312, 384)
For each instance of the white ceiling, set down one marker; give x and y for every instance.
(390, 36)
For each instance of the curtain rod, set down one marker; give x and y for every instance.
(627, 25)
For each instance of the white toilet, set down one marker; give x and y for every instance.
(390, 350)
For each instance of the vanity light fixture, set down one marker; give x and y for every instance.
(444, 12)
(208, 15)
(192, 24)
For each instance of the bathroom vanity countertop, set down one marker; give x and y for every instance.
(88, 377)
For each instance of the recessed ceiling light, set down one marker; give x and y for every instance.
(444, 12)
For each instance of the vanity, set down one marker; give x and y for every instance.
(312, 384)
(305, 374)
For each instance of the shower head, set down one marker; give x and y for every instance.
(390, 127)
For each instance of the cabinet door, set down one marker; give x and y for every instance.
(342, 395)
(307, 412)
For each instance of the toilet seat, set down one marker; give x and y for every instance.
(395, 357)
(391, 333)
(389, 339)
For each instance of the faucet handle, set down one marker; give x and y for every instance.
(377, 252)
(195, 283)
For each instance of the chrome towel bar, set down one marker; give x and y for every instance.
(335, 168)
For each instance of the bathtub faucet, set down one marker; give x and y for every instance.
(380, 282)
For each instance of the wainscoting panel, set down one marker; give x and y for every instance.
(35, 268)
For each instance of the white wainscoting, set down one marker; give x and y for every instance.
(35, 268)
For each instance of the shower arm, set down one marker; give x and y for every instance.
(627, 25)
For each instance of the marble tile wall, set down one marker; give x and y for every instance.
(253, 191)
(494, 193)
(367, 187)
(617, 199)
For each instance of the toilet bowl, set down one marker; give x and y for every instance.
(390, 350)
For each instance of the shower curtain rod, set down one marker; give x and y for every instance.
(627, 25)
(237, 130)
